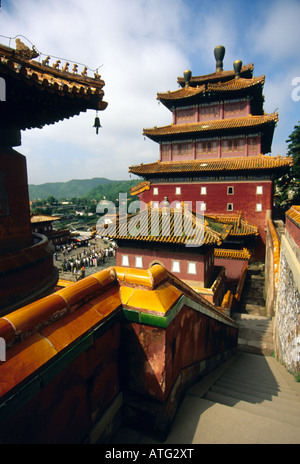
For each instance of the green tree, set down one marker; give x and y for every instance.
(288, 186)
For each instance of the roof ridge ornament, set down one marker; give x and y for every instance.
(219, 53)
(237, 66)
(187, 77)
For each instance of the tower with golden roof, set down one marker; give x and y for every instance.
(217, 149)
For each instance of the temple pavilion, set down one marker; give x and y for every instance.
(215, 157)
(217, 150)
(34, 92)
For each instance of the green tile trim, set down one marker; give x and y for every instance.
(133, 315)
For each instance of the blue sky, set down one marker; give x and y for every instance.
(141, 47)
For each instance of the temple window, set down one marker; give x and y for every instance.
(155, 190)
(182, 149)
(176, 266)
(164, 150)
(203, 191)
(139, 261)
(209, 110)
(192, 268)
(202, 206)
(185, 113)
(259, 190)
(177, 190)
(230, 190)
(125, 260)
(208, 146)
(229, 206)
(258, 207)
(232, 145)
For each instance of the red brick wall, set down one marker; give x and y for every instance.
(244, 198)
(165, 258)
(293, 230)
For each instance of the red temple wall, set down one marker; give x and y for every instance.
(204, 263)
(244, 198)
(293, 230)
(15, 226)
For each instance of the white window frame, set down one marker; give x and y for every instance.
(229, 206)
(125, 260)
(139, 262)
(175, 266)
(259, 190)
(203, 191)
(258, 207)
(230, 187)
(202, 206)
(177, 190)
(192, 268)
(155, 190)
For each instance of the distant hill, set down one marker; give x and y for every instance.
(111, 190)
(72, 188)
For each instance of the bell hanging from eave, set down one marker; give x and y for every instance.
(97, 123)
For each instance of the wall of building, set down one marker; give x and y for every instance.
(217, 199)
(287, 306)
(215, 147)
(175, 262)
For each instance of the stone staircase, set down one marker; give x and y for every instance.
(250, 399)
(253, 300)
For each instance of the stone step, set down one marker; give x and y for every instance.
(256, 409)
(287, 400)
(261, 388)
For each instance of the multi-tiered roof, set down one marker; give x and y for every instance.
(217, 106)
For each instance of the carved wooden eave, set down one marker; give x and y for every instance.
(40, 93)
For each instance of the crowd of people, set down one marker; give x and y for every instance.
(76, 259)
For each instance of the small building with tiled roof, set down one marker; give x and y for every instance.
(173, 236)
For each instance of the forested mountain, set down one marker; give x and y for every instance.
(78, 188)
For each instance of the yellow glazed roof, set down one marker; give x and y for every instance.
(46, 329)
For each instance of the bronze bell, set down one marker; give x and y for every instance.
(97, 124)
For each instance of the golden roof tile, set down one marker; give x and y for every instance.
(222, 76)
(165, 225)
(211, 126)
(141, 187)
(46, 329)
(217, 165)
(232, 85)
(243, 254)
(36, 218)
(294, 214)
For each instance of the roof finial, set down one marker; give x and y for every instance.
(219, 52)
(187, 77)
(237, 66)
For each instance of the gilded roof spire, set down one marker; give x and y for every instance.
(219, 53)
